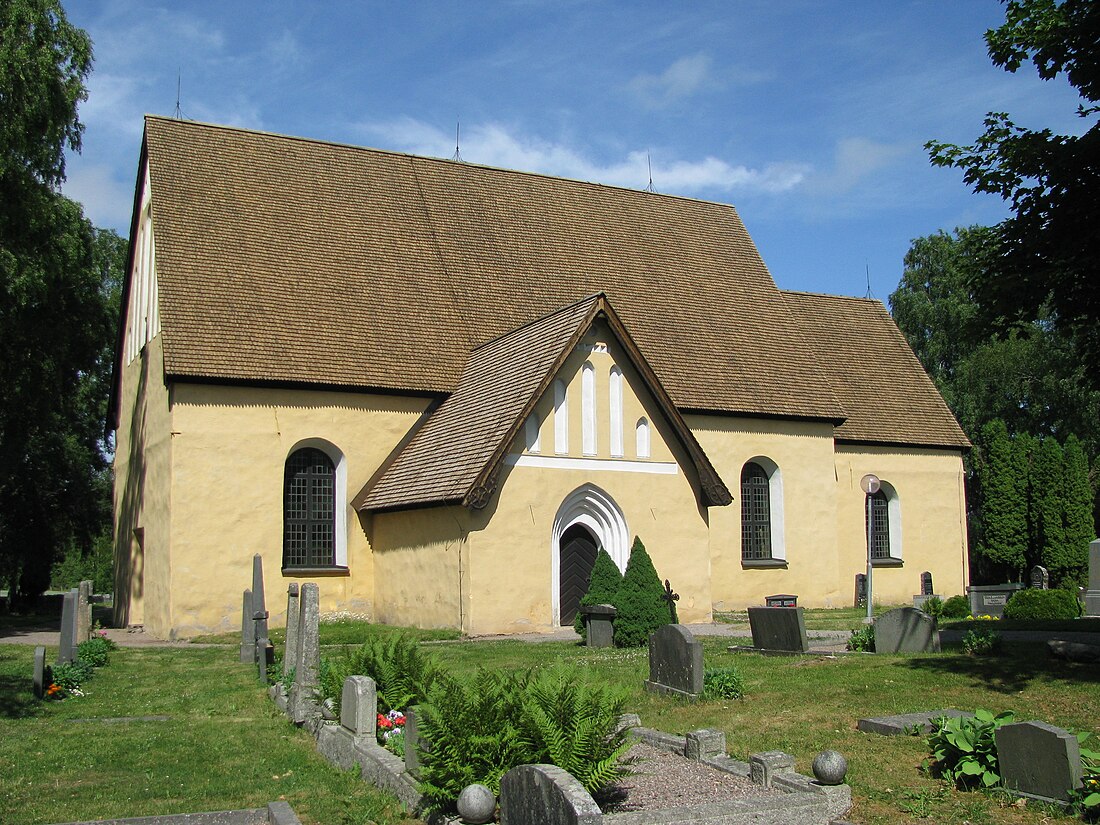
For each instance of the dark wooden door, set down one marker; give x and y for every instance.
(578, 555)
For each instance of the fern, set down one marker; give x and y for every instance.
(402, 674)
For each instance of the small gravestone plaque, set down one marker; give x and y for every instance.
(926, 584)
(359, 705)
(1038, 760)
(66, 652)
(906, 630)
(599, 624)
(778, 628)
(861, 590)
(781, 600)
(675, 662)
(1040, 578)
(248, 629)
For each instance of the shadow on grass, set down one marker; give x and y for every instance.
(1011, 671)
(16, 690)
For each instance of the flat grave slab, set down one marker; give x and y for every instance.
(902, 724)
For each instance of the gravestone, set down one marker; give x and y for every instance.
(778, 628)
(42, 675)
(290, 650)
(1038, 760)
(990, 599)
(781, 600)
(265, 658)
(1040, 578)
(764, 767)
(599, 624)
(413, 745)
(926, 584)
(1092, 595)
(545, 795)
(248, 629)
(84, 612)
(861, 590)
(675, 662)
(359, 705)
(66, 652)
(705, 743)
(259, 608)
(906, 630)
(303, 702)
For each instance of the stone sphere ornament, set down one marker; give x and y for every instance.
(830, 768)
(476, 804)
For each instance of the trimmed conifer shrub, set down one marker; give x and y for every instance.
(639, 603)
(603, 585)
(1042, 604)
(957, 607)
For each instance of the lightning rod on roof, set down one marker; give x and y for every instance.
(179, 75)
(649, 162)
(458, 131)
(869, 294)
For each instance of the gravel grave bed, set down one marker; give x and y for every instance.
(661, 779)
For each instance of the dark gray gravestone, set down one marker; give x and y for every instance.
(778, 628)
(599, 624)
(1040, 578)
(861, 590)
(42, 675)
(675, 662)
(66, 652)
(84, 612)
(303, 703)
(293, 613)
(906, 630)
(545, 795)
(990, 599)
(248, 629)
(926, 584)
(1038, 760)
(1092, 595)
(265, 658)
(259, 607)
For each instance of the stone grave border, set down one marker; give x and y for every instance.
(275, 813)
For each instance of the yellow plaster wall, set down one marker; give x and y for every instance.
(229, 448)
(142, 495)
(803, 451)
(931, 491)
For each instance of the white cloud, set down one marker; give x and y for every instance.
(106, 201)
(494, 145)
(680, 80)
(855, 159)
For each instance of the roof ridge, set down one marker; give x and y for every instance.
(541, 319)
(428, 158)
(810, 294)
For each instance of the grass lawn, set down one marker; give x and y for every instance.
(818, 618)
(221, 747)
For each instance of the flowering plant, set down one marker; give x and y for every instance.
(389, 724)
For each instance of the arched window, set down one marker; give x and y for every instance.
(561, 419)
(885, 532)
(641, 438)
(588, 409)
(756, 519)
(616, 405)
(312, 523)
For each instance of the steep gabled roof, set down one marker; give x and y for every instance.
(456, 455)
(284, 260)
(888, 396)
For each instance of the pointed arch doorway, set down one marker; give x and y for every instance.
(587, 520)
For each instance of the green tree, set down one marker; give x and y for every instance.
(56, 321)
(639, 603)
(1080, 529)
(1049, 246)
(1048, 510)
(1002, 544)
(603, 586)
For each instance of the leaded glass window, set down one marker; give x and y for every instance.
(880, 519)
(756, 520)
(309, 510)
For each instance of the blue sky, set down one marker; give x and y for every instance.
(809, 116)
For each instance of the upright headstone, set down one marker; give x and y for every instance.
(290, 651)
(861, 590)
(1092, 595)
(926, 584)
(545, 795)
(906, 630)
(675, 662)
(248, 629)
(41, 673)
(413, 745)
(259, 606)
(1040, 578)
(599, 624)
(303, 694)
(1038, 760)
(778, 628)
(84, 612)
(66, 652)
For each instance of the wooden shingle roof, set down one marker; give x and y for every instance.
(284, 259)
(456, 455)
(888, 396)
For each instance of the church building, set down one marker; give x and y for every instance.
(437, 389)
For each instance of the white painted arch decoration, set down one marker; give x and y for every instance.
(593, 508)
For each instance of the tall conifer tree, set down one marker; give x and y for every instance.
(1004, 541)
(1080, 529)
